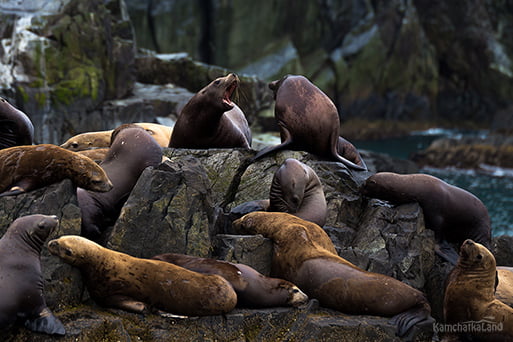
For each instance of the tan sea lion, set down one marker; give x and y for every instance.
(469, 299)
(211, 120)
(295, 189)
(454, 214)
(16, 129)
(25, 168)
(309, 121)
(504, 291)
(96, 154)
(304, 254)
(253, 289)
(115, 279)
(21, 279)
(132, 151)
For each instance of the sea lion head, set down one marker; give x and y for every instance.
(89, 175)
(87, 141)
(476, 257)
(33, 229)
(247, 223)
(275, 85)
(296, 296)
(73, 249)
(288, 186)
(221, 90)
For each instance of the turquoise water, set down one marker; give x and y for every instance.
(496, 192)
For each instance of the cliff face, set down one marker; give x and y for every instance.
(401, 59)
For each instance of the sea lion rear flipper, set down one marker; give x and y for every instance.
(412, 322)
(46, 323)
(446, 252)
(271, 149)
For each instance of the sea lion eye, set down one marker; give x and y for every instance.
(68, 252)
(295, 291)
(74, 145)
(479, 257)
(217, 82)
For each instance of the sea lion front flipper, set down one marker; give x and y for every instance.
(15, 190)
(47, 323)
(286, 137)
(125, 303)
(411, 322)
(446, 251)
(249, 207)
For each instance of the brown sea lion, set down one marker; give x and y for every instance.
(21, 280)
(25, 168)
(454, 214)
(504, 291)
(15, 126)
(304, 254)
(253, 289)
(469, 299)
(309, 121)
(115, 279)
(132, 151)
(211, 120)
(96, 154)
(295, 189)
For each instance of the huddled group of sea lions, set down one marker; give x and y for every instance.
(105, 166)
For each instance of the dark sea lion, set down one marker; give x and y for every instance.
(25, 168)
(309, 121)
(115, 279)
(15, 126)
(132, 151)
(469, 298)
(253, 289)
(504, 291)
(304, 254)
(295, 189)
(454, 214)
(211, 120)
(21, 280)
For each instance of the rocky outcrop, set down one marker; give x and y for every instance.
(183, 205)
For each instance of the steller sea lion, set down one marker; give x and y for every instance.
(253, 289)
(119, 280)
(211, 120)
(304, 255)
(132, 151)
(16, 129)
(469, 296)
(309, 121)
(21, 279)
(454, 214)
(25, 168)
(504, 290)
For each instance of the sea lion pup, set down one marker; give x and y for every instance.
(469, 296)
(119, 280)
(504, 290)
(454, 214)
(16, 129)
(132, 151)
(304, 255)
(211, 120)
(21, 279)
(25, 168)
(253, 289)
(295, 189)
(308, 121)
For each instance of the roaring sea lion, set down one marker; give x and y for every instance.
(101, 139)
(253, 289)
(295, 189)
(454, 214)
(504, 291)
(21, 280)
(25, 168)
(211, 120)
(304, 254)
(309, 121)
(119, 280)
(469, 296)
(15, 126)
(132, 151)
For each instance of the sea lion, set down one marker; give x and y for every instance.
(504, 291)
(25, 168)
(309, 121)
(295, 189)
(469, 296)
(253, 289)
(15, 126)
(21, 279)
(454, 214)
(102, 139)
(115, 279)
(96, 154)
(211, 120)
(132, 151)
(304, 255)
